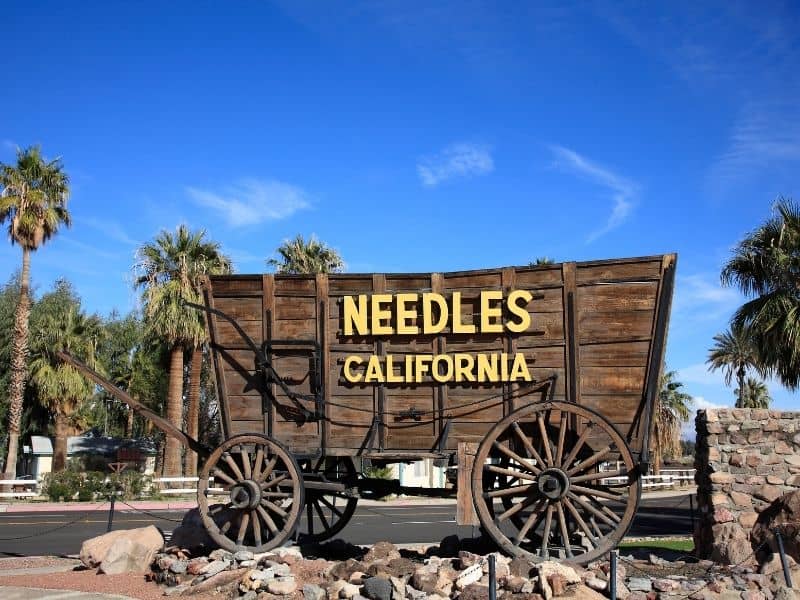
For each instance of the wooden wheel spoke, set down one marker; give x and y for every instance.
(598, 475)
(225, 526)
(611, 514)
(232, 464)
(501, 471)
(516, 508)
(591, 509)
(257, 463)
(243, 528)
(578, 445)
(277, 495)
(562, 434)
(256, 524)
(245, 461)
(591, 461)
(562, 524)
(597, 493)
(331, 506)
(579, 519)
(322, 518)
(533, 520)
(527, 443)
(267, 519)
(545, 440)
(310, 517)
(218, 474)
(274, 508)
(268, 469)
(517, 490)
(513, 455)
(548, 523)
(273, 482)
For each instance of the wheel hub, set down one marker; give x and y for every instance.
(246, 495)
(553, 483)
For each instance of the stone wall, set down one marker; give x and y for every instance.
(745, 459)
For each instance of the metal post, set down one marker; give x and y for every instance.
(113, 498)
(691, 510)
(784, 564)
(492, 579)
(612, 576)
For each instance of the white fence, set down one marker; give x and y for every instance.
(20, 488)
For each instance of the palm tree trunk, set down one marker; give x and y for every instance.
(60, 445)
(740, 401)
(193, 410)
(19, 365)
(129, 424)
(172, 450)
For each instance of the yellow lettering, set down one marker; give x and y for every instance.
(488, 312)
(348, 373)
(458, 326)
(520, 310)
(390, 376)
(428, 300)
(519, 370)
(355, 315)
(437, 372)
(464, 363)
(487, 368)
(374, 370)
(380, 314)
(420, 366)
(504, 367)
(404, 314)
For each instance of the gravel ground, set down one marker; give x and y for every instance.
(34, 562)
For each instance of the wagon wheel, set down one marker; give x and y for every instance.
(537, 489)
(327, 512)
(259, 482)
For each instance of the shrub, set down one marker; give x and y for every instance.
(93, 485)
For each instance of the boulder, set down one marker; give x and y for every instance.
(128, 556)
(191, 534)
(281, 586)
(582, 592)
(383, 551)
(730, 544)
(149, 540)
(377, 588)
(783, 513)
(313, 592)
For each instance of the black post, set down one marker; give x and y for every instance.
(612, 576)
(113, 499)
(492, 579)
(784, 564)
(691, 511)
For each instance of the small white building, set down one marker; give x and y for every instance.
(420, 473)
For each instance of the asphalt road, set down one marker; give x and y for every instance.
(34, 534)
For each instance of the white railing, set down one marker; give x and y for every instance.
(20, 488)
(166, 490)
(668, 478)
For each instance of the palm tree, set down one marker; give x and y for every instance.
(33, 200)
(756, 394)
(672, 408)
(734, 353)
(170, 269)
(765, 267)
(541, 261)
(299, 256)
(60, 387)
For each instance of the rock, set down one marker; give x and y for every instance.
(179, 566)
(377, 588)
(556, 574)
(475, 591)
(596, 584)
(521, 567)
(196, 565)
(128, 555)
(730, 544)
(192, 534)
(348, 590)
(261, 574)
(279, 569)
(784, 512)
(639, 584)
(94, 550)
(583, 592)
(243, 555)
(384, 551)
(357, 577)
(221, 579)
(343, 570)
(398, 588)
(313, 592)
(214, 567)
(251, 595)
(772, 564)
(558, 584)
(666, 585)
(469, 576)
(288, 552)
(513, 584)
(467, 559)
(281, 586)
(424, 580)
(219, 554)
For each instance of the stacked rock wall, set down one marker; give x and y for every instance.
(745, 459)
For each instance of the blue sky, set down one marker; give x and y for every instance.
(413, 136)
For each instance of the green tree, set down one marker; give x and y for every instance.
(672, 408)
(754, 395)
(170, 269)
(299, 256)
(541, 261)
(765, 267)
(33, 201)
(60, 387)
(734, 352)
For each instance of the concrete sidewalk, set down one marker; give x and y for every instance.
(25, 593)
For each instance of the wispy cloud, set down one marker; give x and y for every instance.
(253, 201)
(88, 249)
(623, 191)
(702, 297)
(688, 431)
(456, 160)
(699, 374)
(763, 136)
(111, 229)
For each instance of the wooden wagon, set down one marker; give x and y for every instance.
(536, 383)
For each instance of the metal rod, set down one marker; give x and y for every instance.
(784, 563)
(691, 511)
(492, 579)
(111, 511)
(612, 576)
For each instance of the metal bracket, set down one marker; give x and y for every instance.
(411, 413)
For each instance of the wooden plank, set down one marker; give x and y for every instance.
(219, 374)
(620, 380)
(349, 285)
(241, 309)
(323, 336)
(244, 408)
(610, 326)
(295, 285)
(631, 271)
(295, 330)
(267, 321)
(572, 327)
(222, 284)
(465, 507)
(227, 335)
(463, 282)
(618, 296)
(616, 354)
(290, 307)
(239, 427)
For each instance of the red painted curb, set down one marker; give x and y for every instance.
(94, 506)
